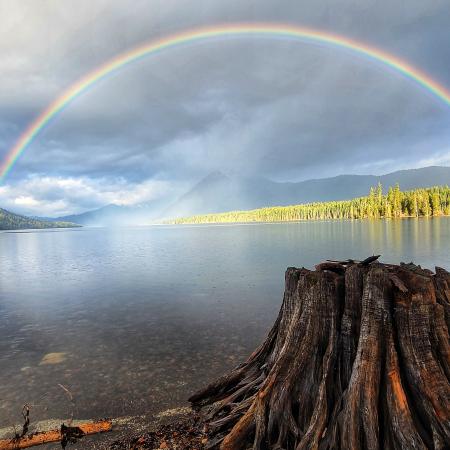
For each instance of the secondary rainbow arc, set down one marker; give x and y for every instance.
(200, 34)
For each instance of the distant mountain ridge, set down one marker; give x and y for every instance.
(101, 216)
(121, 215)
(218, 192)
(11, 221)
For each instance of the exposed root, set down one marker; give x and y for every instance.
(358, 358)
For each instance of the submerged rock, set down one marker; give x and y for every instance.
(53, 358)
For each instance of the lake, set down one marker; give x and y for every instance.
(137, 319)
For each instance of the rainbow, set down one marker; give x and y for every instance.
(202, 34)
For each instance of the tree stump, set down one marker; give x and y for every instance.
(358, 358)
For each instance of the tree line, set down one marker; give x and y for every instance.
(425, 202)
(11, 221)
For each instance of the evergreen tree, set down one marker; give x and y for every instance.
(419, 202)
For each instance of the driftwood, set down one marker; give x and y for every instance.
(65, 435)
(358, 358)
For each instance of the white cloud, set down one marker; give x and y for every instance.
(26, 201)
(440, 159)
(280, 109)
(57, 196)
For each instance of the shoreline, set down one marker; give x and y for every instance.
(280, 222)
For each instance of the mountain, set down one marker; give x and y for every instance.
(422, 202)
(214, 193)
(218, 192)
(115, 215)
(11, 221)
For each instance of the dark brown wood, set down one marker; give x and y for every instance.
(358, 358)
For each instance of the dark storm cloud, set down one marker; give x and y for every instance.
(279, 109)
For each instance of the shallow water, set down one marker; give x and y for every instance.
(136, 319)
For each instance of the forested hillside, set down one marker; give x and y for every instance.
(434, 201)
(219, 192)
(11, 221)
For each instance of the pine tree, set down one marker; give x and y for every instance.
(419, 202)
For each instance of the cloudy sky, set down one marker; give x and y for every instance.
(267, 107)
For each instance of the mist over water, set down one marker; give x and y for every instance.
(139, 318)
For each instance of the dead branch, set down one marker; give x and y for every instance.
(65, 432)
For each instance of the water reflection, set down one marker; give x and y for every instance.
(141, 317)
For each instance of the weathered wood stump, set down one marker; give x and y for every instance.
(358, 358)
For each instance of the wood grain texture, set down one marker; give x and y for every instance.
(357, 359)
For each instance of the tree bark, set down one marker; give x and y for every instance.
(358, 358)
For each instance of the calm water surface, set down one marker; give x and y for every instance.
(145, 316)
